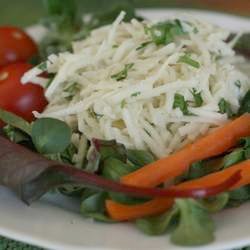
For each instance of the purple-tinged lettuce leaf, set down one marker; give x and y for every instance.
(31, 175)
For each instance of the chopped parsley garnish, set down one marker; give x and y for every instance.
(146, 29)
(71, 91)
(143, 45)
(93, 114)
(198, 101)
(124, 73)
(135, 94)
(165, 32)
(49, 82)
(123, 103)
(147, 132)
(225, 108)
(42, 66)
(195, 30)
(245, 104)
(188, 60)
(237, 83)
(181, 103)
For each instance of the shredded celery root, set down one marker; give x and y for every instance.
(119, 84)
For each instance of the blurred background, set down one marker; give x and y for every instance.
(25, 12)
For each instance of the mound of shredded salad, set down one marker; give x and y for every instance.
(154, 86)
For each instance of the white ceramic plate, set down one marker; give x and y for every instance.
(54, 221)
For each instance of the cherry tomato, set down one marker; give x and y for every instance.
(18, 98)
(15, 46)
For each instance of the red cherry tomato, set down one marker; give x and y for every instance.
(15, 46)
(18, 98)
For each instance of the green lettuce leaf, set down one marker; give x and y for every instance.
(158, 225)
(195, 225)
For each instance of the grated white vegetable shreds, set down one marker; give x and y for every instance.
(138, 110)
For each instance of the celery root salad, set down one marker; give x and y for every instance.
(153, 114)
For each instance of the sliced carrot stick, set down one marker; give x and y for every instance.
(122, 212)
(174, 165)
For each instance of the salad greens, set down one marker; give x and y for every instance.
(16, 121)
(50, 136)
(15, 134)
(188, 221)
(35, 175)
(158, 225)
(65, 24)
(205, 167)
(30, 175)
(195, 225)
(93, 205)
(217, 203)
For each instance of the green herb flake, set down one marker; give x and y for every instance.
(225, 108)
(71, 91)
(181, 103)
(237, 84)
(143, 45)
(245, 104)
(146, 29)
(197, 97)
(93, 114)
(124, 73)
(188, 60)
(147, 132)
(195, 30)
(164, 33)
(42, 66)
(50, 80)
(135, 94)
(123, 103)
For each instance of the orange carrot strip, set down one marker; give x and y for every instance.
(174, 165)
(130, 212)
(122, 212)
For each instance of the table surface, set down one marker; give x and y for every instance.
(14, 12)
